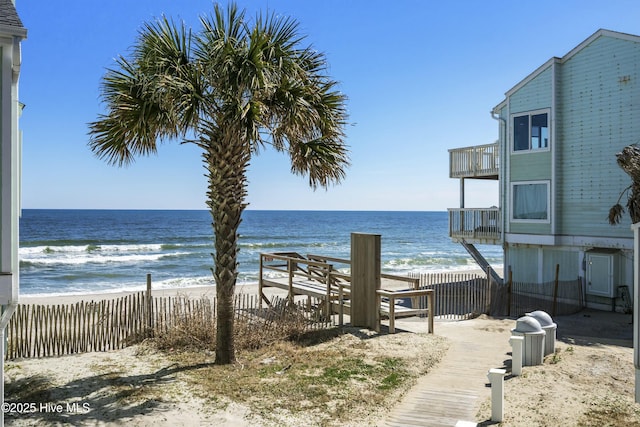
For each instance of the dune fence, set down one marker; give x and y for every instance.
(458, 296)
(557, 297)
(86, 326)
(56, 330)
(464, 296)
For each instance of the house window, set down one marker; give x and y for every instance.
(530, 201)
(531, 132)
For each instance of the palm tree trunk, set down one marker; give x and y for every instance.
(226, 163)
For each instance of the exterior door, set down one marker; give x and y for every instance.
(600, 275)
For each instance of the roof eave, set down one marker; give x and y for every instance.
(566, 57)
(13, 31)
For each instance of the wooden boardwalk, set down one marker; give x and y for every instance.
(456, 387)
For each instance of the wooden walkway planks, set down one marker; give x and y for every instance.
(445, 409)
(454, 389)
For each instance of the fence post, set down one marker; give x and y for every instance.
(509, 292)
(149, 307)
(365, 280)
(489, 288)
(555, 291)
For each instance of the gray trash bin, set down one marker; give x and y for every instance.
(546, 322)
(533, 346)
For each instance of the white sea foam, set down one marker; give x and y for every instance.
(152, 247)
(94, 258)
(104, 251)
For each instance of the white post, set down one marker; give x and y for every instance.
(516, 354)
(636, 306)
(2, 350)
(496, 378)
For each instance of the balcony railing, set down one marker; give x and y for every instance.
(480, 161)
(475, 225)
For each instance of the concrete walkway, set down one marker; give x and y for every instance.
(452, 392)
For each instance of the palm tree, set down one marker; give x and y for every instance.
(232, 89)
(629, 161)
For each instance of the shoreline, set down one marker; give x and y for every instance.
(191, 292)
(249, 288)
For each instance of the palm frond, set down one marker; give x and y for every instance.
(615, 214)
(151, 96)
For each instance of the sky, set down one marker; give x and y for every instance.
(421, 77)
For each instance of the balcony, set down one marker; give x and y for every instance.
(480, 161)
(475, 225)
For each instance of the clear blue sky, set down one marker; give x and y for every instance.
(421, 77)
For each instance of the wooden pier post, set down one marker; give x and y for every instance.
(365, 280)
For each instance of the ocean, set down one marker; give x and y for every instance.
(92, 251)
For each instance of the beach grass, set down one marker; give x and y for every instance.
(331, 376)
(285, 370)
(326, 377)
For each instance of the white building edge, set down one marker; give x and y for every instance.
(12, 32)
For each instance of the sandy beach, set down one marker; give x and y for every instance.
(589, 381)
(191, 292)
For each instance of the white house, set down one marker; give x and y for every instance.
(12, 32)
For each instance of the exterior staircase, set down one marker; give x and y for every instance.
(482, 262)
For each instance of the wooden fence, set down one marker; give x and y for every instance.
(55, 330)
(463, 296)
(457, 296)
(557, 298)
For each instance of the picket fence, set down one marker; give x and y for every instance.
(56, 330)
(464, 296)
(458, 296)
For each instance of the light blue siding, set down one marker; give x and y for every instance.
(531, 166)
(594, 114)
(598, 114)
(534, 165)
(535, 95)
(525, 265)
(530, 228)
(523, 262)
(568, 260)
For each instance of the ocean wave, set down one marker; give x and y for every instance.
(50, 249)
(92, 258)
(433, 261)
(284, 244)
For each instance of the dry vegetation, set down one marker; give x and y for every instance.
(323, 379)
(286, 376)
(284, 372)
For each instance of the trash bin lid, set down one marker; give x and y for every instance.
(542, 317)
(527, 324)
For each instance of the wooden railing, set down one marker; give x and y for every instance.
(476, 161)
(480, 225)
(298, 276)
(315, 275)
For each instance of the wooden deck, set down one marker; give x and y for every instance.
(315, 276)
(479, 161)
